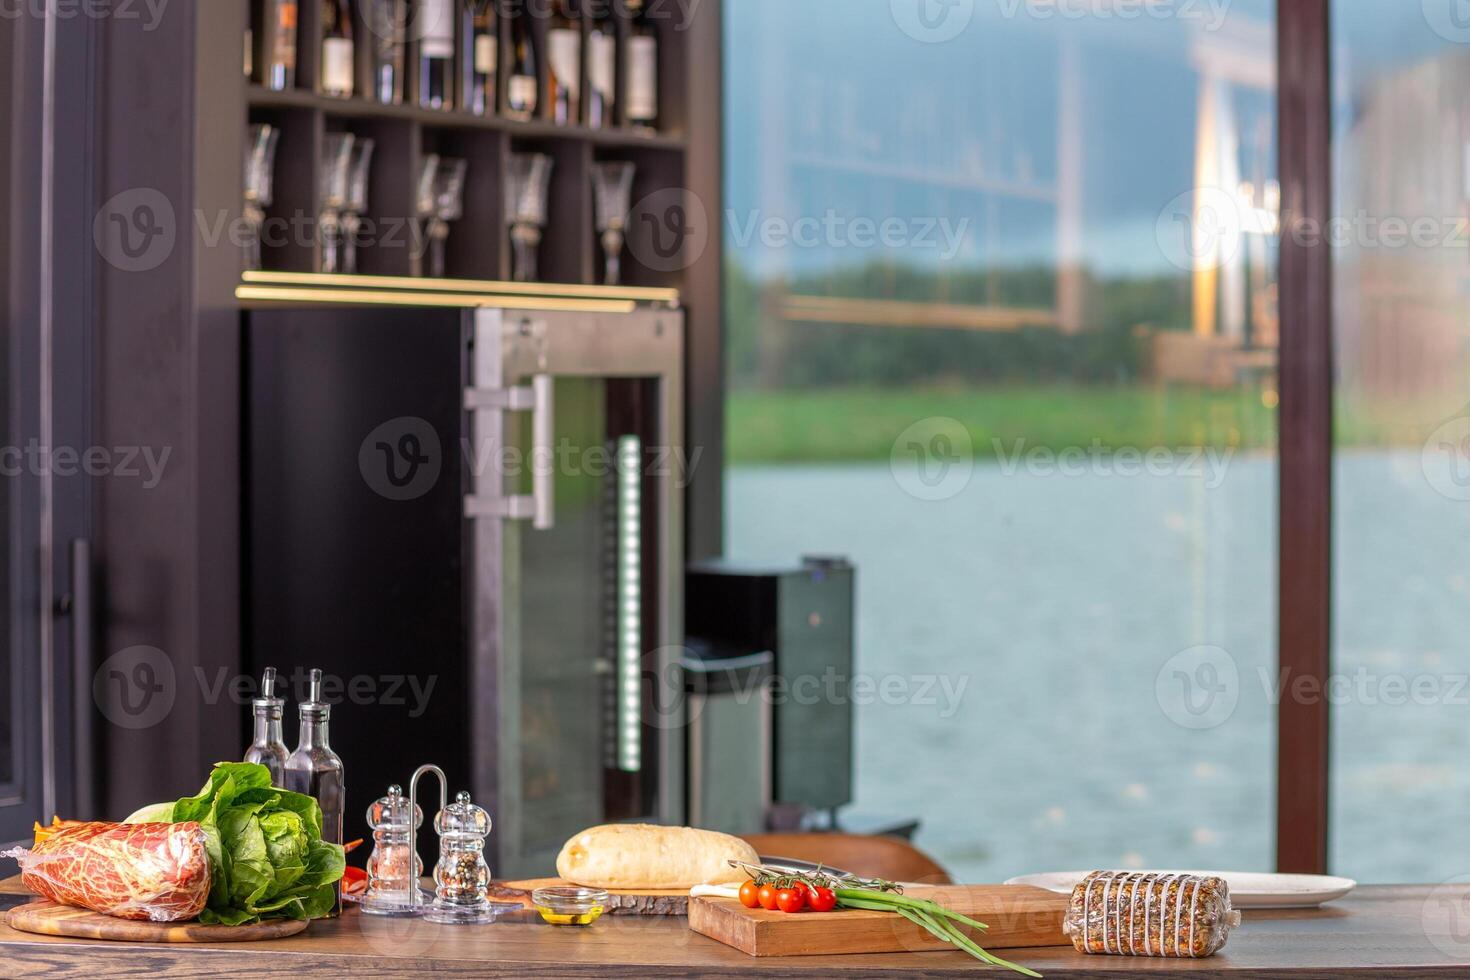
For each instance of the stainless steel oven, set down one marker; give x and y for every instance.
(576, 514)
(489, 503)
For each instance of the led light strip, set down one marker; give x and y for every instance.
(630, 603)
(376, 297)
(641, 294)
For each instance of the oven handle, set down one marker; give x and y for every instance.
(540, 399)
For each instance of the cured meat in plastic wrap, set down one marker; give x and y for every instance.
(1150, 913)
(153, 871)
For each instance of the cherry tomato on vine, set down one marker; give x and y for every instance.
(791, 899)
(821, 899)
(750, 895)
(766, 895)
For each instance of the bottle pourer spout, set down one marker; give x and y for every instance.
(268, 684)
(316, 685)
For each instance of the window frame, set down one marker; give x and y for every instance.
(1304, 557)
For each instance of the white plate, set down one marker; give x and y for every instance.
(1248, 889)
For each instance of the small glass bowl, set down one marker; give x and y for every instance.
(570, 906)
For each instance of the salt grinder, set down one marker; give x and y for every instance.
(393, 867)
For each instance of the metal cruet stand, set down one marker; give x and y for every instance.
(415, 893)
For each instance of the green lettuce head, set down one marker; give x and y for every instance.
(266, 854)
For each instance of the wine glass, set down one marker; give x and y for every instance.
(526, 193)
(336, 161)
(613, 186)
(355, 204)
(448, 193)
(260, 164)
(423, 199)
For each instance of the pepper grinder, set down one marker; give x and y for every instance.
(314, 769)
(393, 868)
(269, 746)
(461, 878)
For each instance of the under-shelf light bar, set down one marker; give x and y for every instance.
(378, 297)
(640, 294)
(629, 603)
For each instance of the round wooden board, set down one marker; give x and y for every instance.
(50, 919)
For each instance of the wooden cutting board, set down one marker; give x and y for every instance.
(50, 919)
(644, 902)
(1018, 915)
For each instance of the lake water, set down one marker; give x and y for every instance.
(1108, 646)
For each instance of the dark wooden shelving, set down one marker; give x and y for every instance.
(355, 108)
(478, 246)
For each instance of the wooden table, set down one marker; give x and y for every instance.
(1379, 931)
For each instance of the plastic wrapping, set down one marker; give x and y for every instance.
(152, 871)
(1150, 913)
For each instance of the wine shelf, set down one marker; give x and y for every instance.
(478, 246)
(357, 108)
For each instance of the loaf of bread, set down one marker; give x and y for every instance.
(633, 856)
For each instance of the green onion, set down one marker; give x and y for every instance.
(846, 895)
(877, 895)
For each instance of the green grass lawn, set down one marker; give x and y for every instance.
(861, 424)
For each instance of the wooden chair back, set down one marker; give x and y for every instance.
(871, 857)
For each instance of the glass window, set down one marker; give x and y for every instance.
(1001, 298)
(1400, 734)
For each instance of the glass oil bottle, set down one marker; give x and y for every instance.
(314, 769)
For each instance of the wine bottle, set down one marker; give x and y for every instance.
(521, 87)
(602, 64)
(482, 61)
(385, 20)
(338, 58)
(564, 64)
(280, 44)
(252, 18)
(640, 90)
(436, 55)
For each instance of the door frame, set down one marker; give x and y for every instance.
(47, 259)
